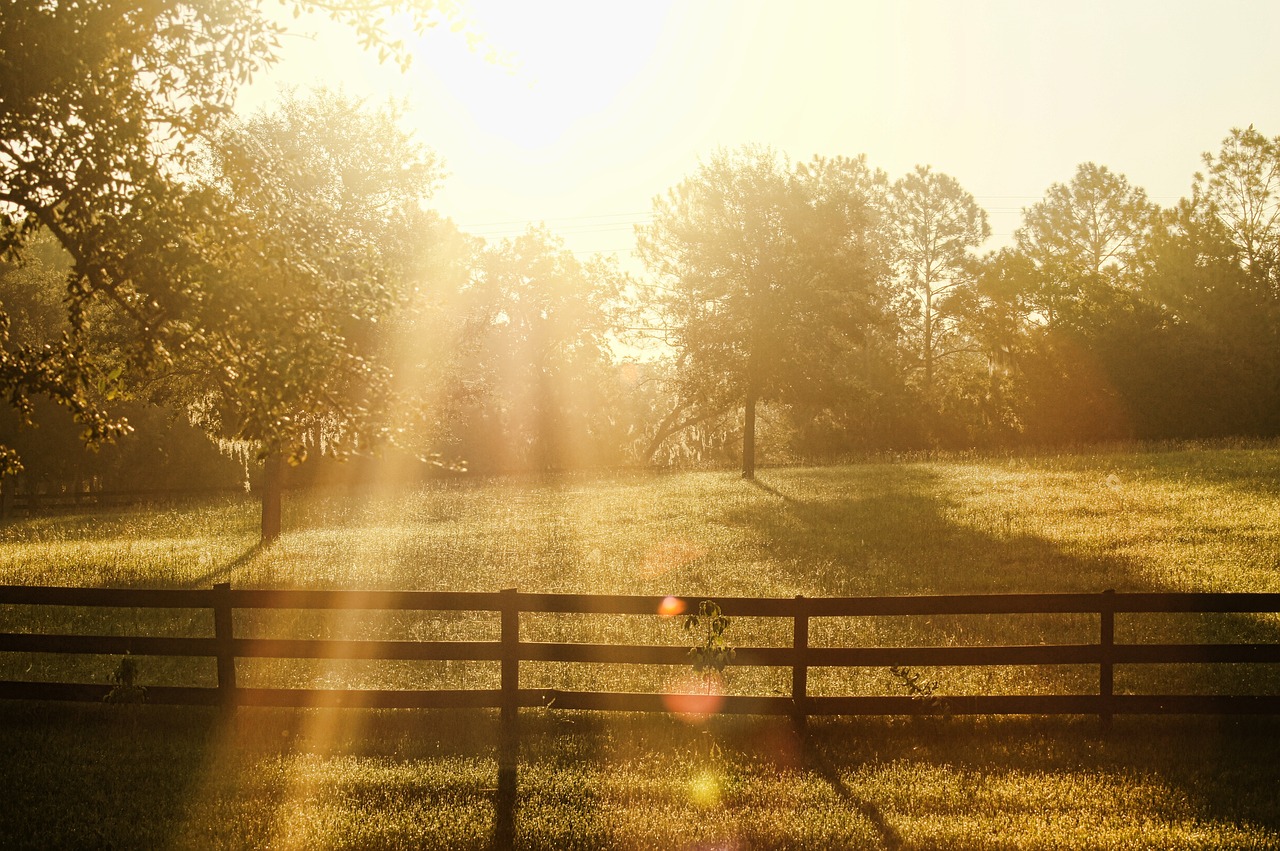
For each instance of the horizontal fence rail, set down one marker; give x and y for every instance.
(509, 650)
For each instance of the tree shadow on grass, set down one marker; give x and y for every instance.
(901, 783)
(896, 534)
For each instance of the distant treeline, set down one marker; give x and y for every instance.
(792, 311)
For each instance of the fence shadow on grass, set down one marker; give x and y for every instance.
(816, 761)
(98, 776)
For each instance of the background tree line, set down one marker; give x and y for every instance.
(789, 312)
(279, 284)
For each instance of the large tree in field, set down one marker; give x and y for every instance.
(105, 107)
(1090, 328)
(762, 272)
(292, 348)
(938, 226)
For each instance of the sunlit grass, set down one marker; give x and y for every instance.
(1194, 520)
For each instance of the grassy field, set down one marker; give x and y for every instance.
(1193, 520)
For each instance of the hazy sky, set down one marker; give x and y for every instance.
(608, 103)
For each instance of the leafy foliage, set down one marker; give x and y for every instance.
(938, 225)
(291, 351)
(535, 387)
(711, 652)
(105, 109)
(765, 274)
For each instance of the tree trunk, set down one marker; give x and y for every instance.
(928, 344)
(749, 438)
(272, 493)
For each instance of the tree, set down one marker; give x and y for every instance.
(762, 272)
(104, 106)
(534, 367)
(1082, 239)
(163, 450)
(321, 197)
(1217, 373)
(938, 224)
(1240, 189)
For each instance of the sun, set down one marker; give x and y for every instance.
(545, 69)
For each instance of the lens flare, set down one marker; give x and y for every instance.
(670, 607)
(692, 698)
(667, 556)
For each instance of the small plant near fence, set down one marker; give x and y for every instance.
(920, 687)
(711, 652)
(125, 688)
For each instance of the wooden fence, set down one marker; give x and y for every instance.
(76, 499)
(509, 650)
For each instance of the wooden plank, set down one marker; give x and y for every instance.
(316, 648)
(224, 638)
(1196, 704)
(632, 604)
(1107, 658)
(489, 651)
(15, 690)
(653, 702)
(96, 692)
(870, 657)
(439, 601)
(369, 698)
(1193, 653)
(125, 598)
(953, 604)
(800, 659)
(1034, 654)
(1122, 704)
(623, 604)
(23, 642)
(819, 606)
(1071, 704)
(508, 722)
(1197, 602)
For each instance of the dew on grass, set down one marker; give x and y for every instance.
(705, 789)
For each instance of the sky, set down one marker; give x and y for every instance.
(597, 107)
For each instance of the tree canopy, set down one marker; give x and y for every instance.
(763, 271)
(106, 108)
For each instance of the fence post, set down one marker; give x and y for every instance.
(1106, 647)
(224, 637)
(800, 663)
(509, 721)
